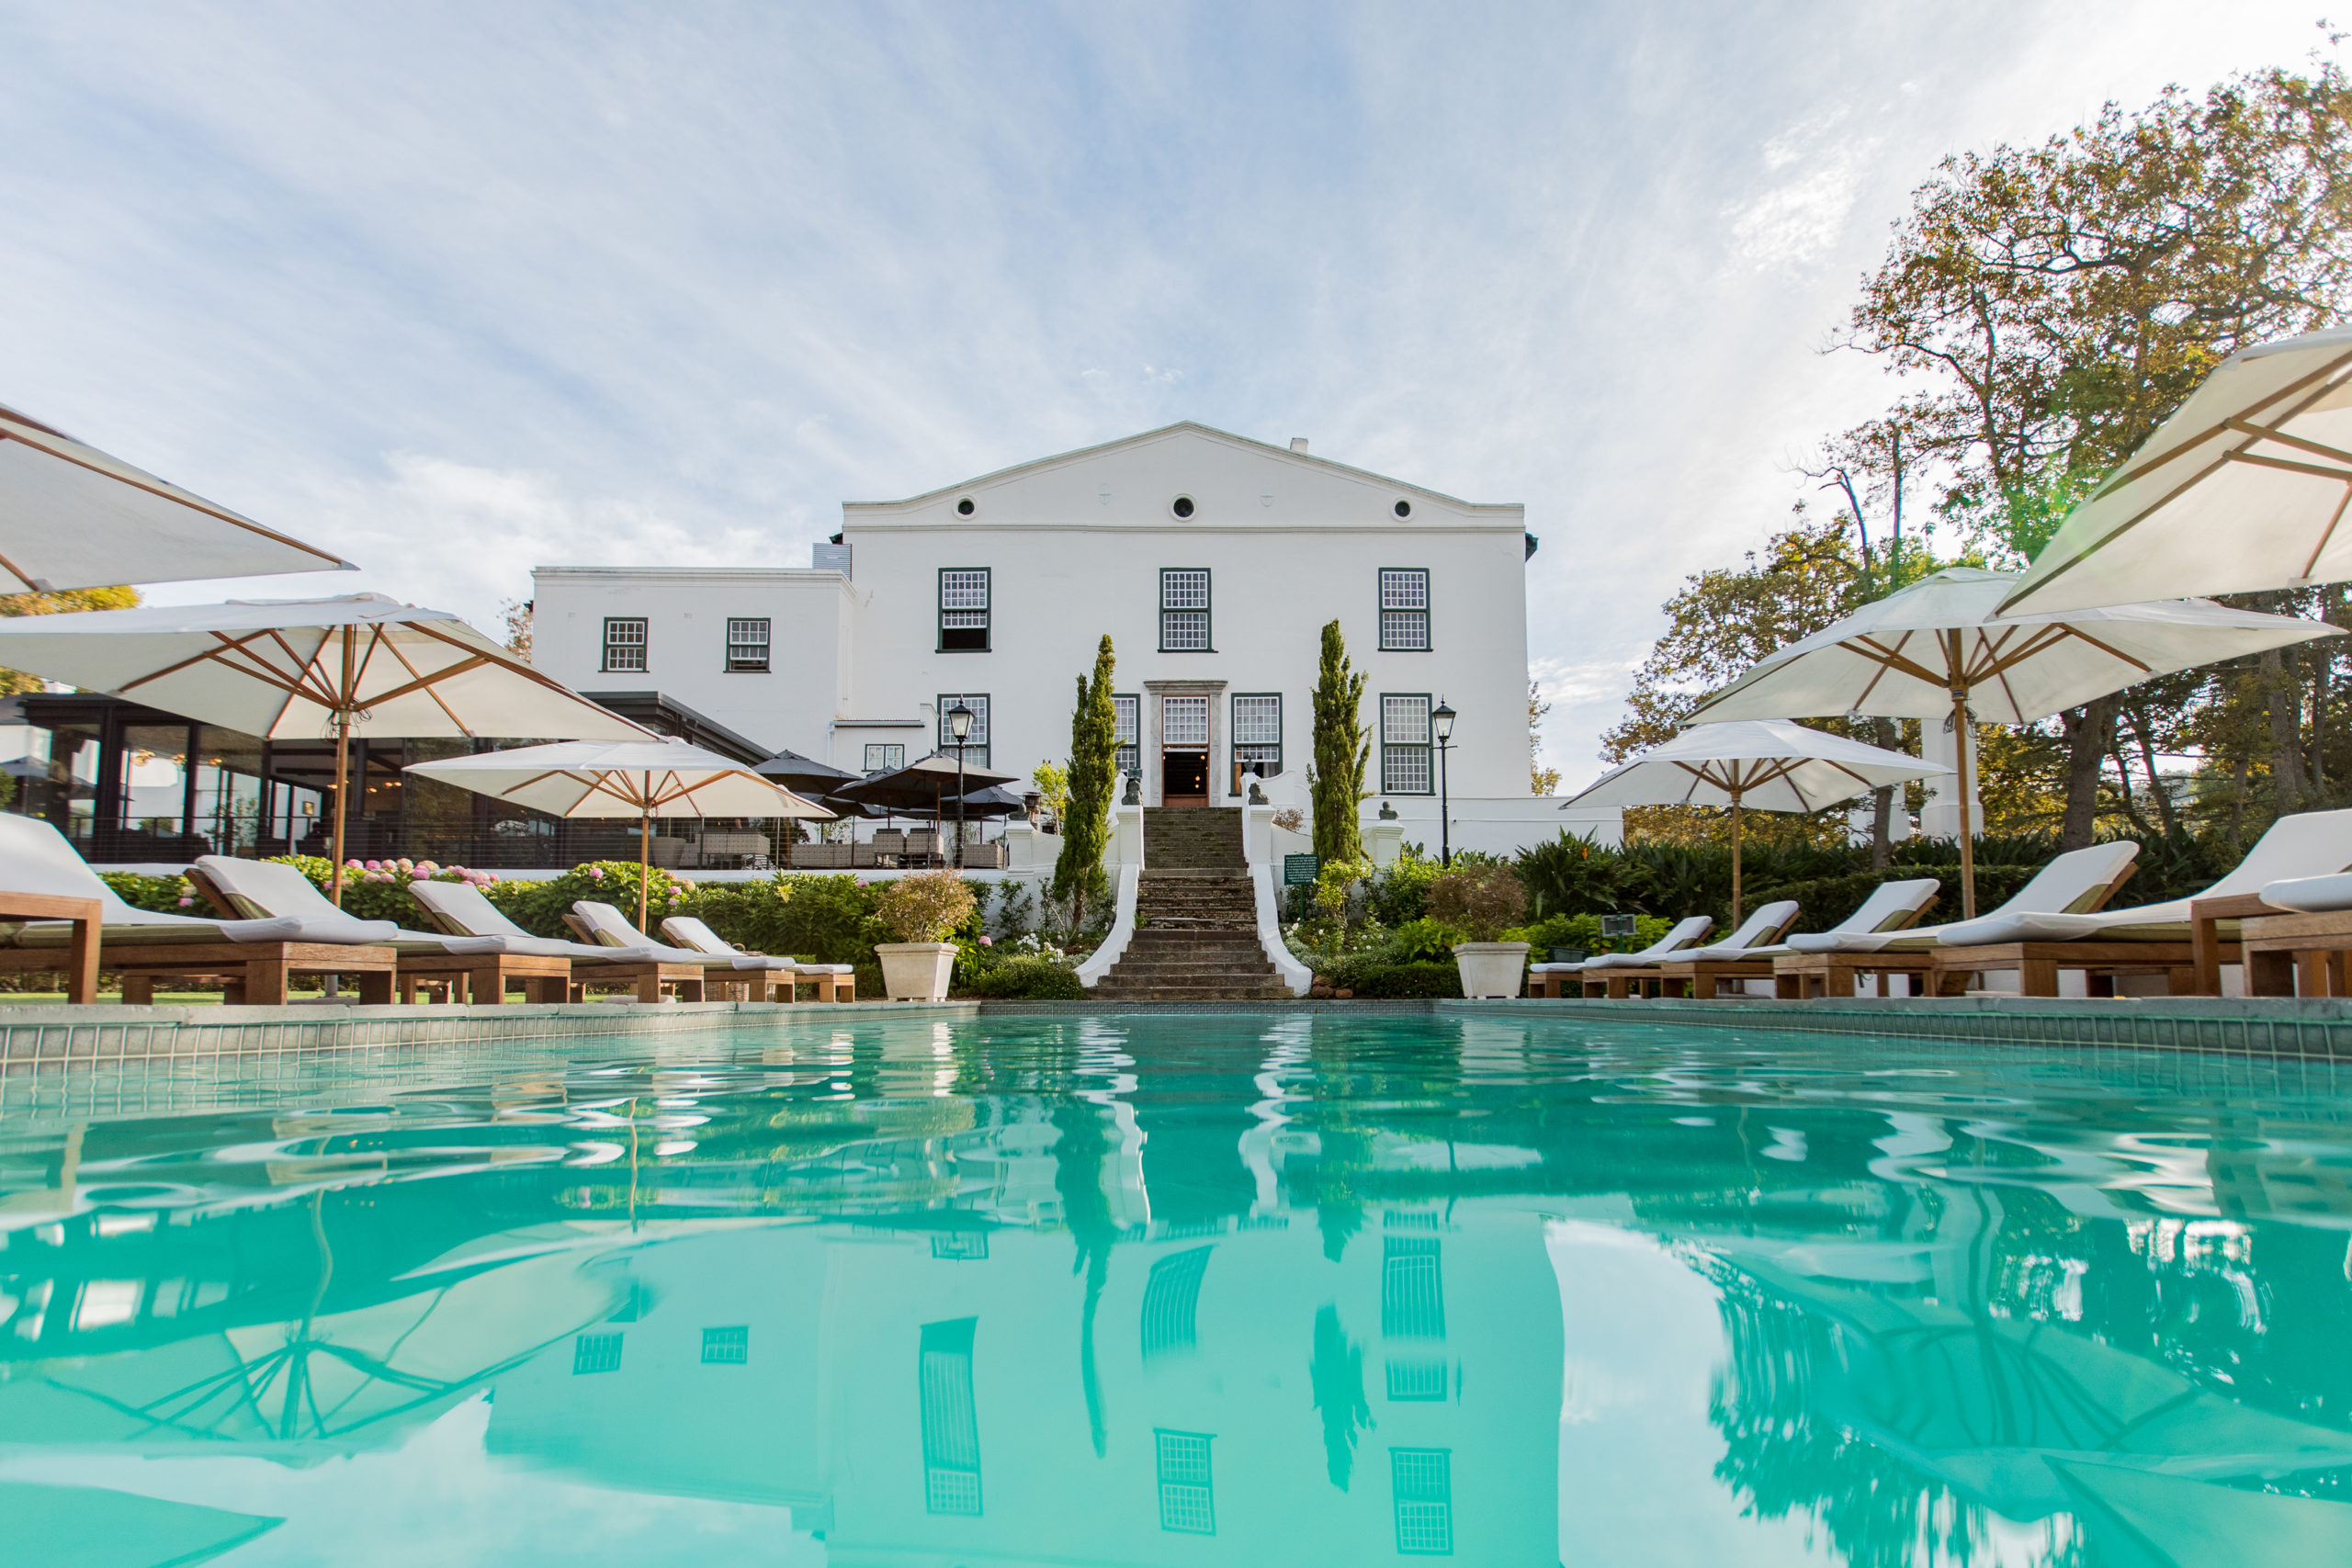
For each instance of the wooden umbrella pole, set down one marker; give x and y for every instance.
(342, 790)
(644, 849)
(1966, 777)
(1735, 857)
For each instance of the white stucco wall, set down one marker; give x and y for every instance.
(1075, 544)
(1074, 547)
(687, 609)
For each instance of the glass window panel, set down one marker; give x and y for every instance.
(881, 758)
(975, 701)
(625, 642)
(595, 1353)
(1184, 721)
(1405, 721)
(964, 590)
(1183, 590)
(1258, 721)
(1405, 589)
(747, 643)
(1404, 631)
(727, 1346)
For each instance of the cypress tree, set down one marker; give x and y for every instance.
(1341, 750)
(1093, 767)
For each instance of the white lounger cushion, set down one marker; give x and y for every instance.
(688, 932)
(266, 890)
(2311, 894)
(35, 858)
(1687, 930)
(2070, 882)
(2309, 841)
(611, 929)
(462, 905)
(1755, 933)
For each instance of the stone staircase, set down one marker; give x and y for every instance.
(1196, 917)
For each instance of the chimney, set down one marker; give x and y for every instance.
(1298, 443)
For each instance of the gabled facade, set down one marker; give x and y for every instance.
(1211, 561)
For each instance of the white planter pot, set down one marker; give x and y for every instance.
(918, 971)
(1491, 968)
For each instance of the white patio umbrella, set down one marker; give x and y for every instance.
(310, 669)
(642, 778)
(1752, 765)
(2244, 488)
(71, 516)
(1935, 651)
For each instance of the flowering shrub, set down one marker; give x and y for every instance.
(539, 907)
(377, 889)
(925, 907)
(1482, 900)
(165, 895)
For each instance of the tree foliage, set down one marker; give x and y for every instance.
(1341, 750)
(1094, 752)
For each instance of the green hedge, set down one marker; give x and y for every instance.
(1030, 979)
(1374, 977)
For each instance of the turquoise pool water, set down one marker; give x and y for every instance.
(1163, 1289)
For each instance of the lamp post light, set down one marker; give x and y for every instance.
(959, 725)
(1441, 726)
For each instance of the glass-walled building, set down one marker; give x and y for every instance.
(132, 784)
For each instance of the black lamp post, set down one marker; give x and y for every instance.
(1441, 726)
(959, 725)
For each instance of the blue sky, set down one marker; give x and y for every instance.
(458, 290)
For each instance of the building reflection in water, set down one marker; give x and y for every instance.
(1313, 1288)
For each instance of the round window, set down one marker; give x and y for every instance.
(1404, 509)
(964, 508)
(1181, 506)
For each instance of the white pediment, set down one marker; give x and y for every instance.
(1231, 482)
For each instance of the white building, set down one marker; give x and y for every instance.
(1211, 561)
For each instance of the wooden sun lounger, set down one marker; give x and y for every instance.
(1798, 977)
(1704, 976)
(81, 963)
(456, 978)
(253, 973)
(2296, 954)
(2038, 963)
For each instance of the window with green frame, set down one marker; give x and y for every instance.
(1404, 745)
(1184, 610)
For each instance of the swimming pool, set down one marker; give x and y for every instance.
(1177, 1289)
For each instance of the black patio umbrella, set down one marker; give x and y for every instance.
(994, 801)
(925, 785)
(801, 775)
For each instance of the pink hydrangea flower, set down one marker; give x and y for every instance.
(185, 901)
(375, 865)
(595, 873)
(987, 941)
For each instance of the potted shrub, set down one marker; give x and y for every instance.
(1483, 901)
(920, 910)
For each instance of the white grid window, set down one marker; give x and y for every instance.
(964, 610)
(727, 1346)
(1128, 735)
(1184, 610)
(625, 642)
(1403, 610)
(746, 645)
(1256, 738)
(1405, 746)
(975, 746)
(882, 757)
(1187, 1500)
(1184, 721)
(1421, 1481)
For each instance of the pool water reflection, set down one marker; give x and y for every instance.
(1170, 1289)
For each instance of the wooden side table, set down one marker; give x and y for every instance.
(2205, 915)
(82, 976)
